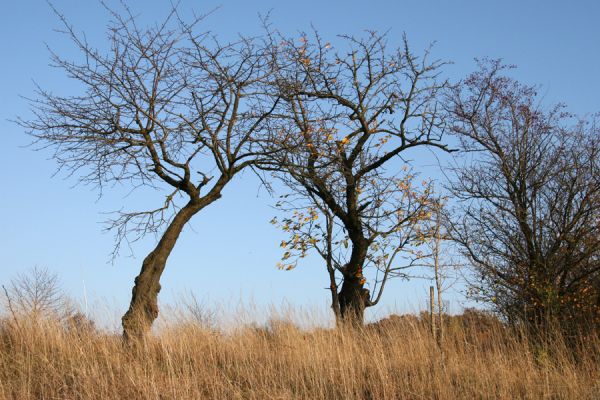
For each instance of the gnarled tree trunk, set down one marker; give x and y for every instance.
(143, 309)
(354, 297)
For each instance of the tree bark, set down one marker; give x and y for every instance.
(353, 300)
(354, 297)
(143, 309)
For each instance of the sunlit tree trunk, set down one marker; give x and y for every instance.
(143, 309)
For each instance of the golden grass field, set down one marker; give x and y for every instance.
(394, 359)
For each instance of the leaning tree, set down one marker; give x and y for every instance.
(165, 108)
(347, 118)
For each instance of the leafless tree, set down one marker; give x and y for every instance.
(165, 108)
(529, 201)
(436, 248)
(436, 260)
(353, 112)
(37, 293)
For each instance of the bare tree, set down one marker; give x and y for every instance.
(530, 202)
(433, 259)
(439, 258)
(37, 293)
(165, 108)
(437, 270)
(354, 112)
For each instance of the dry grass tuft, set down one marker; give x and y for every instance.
(394, 359)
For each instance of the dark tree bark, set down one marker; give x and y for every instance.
(143, 309)
(354, 298)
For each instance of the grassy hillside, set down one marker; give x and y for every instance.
(394, 359)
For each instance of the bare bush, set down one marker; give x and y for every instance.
(37, 293)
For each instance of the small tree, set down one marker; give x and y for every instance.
(530, 202)
(163, 108)
(437, 258)
(348, 117)
(436, 249)
(37, 293)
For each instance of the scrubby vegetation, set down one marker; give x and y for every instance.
(396, 358)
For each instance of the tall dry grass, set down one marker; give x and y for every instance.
(395, 359)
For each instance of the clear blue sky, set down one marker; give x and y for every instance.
(230, 254)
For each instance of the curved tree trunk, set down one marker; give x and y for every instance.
(143, 309)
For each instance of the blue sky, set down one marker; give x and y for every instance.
(229, 253)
